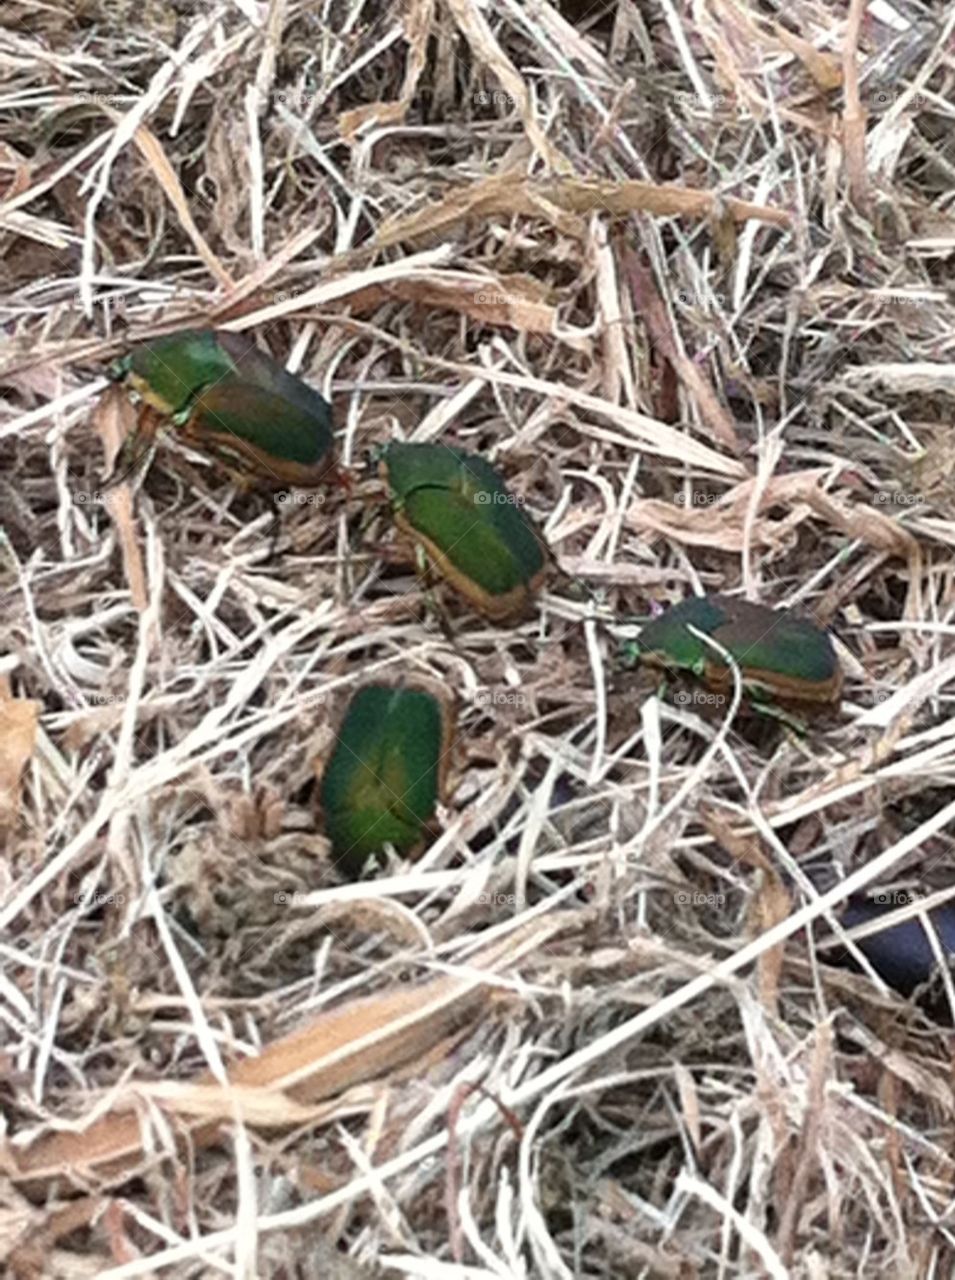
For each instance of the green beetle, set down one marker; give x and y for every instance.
(227, 396)
(168, 372)
(455, 507)
(781, 655)
(387, 773)
(262, 432)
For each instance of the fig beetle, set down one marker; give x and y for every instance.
(387, 773)
(455, 507)
(781, 655)
(228, 397)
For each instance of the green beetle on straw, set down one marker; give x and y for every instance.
(387, 773)
(781, 656)
(455, 508)
(230, 399)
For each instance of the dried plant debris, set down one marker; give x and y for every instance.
(660, 987)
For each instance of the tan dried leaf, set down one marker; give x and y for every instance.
(18, 730)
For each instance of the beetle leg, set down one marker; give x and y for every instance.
(421, 561)
(444, 618)
(432, 603)
(274, 531)
(118, 370)
(770, 709)
(243, 481)
(184, 417)
(137, 445)
(630, 654)
(343, 478)
(407, 555)
(191, 433)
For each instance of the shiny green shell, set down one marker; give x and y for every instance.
(473, 529)
(170, 371)
(385, 776)
(277, 428)
(784, 653)
(229, 395)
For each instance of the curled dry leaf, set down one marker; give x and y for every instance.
(866, 523)
(114, 418)
(18, 730)
(165, 174)
(853, 116)
(571, 197)
(824, 68)
(708, 521)
(733, 34)
(358, 1042)
(517, 301)
(718, 524)
(927, 376)
(771, 904)
(29, 1237)
(336, 1051)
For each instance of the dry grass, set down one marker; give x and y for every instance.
(454, 219)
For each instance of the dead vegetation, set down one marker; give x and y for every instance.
(684, 273)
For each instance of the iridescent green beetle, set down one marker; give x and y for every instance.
(781, 655)
(387, 773)
(454, 506)
(170, 371)
(227, 396)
